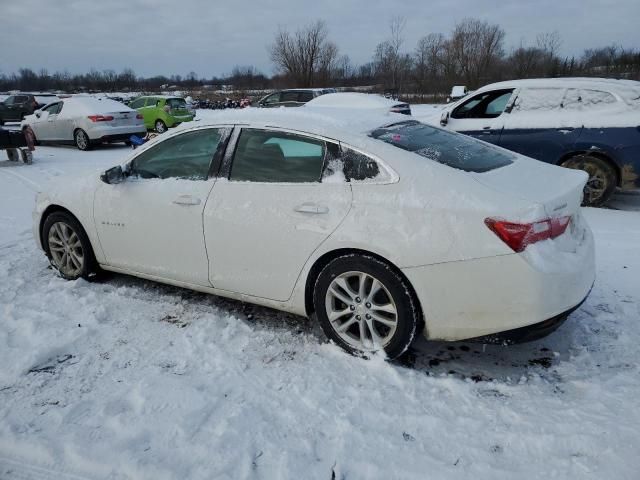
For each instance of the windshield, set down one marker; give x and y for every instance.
(451, 149)
(177, 103)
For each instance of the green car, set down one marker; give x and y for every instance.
(161, 112)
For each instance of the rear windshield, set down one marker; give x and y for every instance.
(177, 103)
(452, 149)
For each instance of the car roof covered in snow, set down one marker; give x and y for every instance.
(81, 105)
(328, 122)
(608, 84)
(351, 100)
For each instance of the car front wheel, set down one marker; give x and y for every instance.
(365, 306)
(68, 246)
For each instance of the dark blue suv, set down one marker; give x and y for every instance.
(589, 124)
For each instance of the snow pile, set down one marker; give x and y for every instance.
(129, 379)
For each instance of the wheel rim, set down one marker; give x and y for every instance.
(361, 310)
(66, 249)
(160, 127)
(597, 183)
(81, 140)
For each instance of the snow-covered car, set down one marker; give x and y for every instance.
(85, 122)
(457, 92)
(382, 226)
(293, 97)
(360, 101)
(589, 124)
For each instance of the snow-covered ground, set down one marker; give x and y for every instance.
(129, 379)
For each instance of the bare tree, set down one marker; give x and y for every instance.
(306, 56)
(474, 49)
(391, 65)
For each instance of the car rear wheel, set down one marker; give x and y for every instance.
(364, 306)
(160, 126)
(602, 178)
(68, 246)
(82, 140)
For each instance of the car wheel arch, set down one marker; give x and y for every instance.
(594, 153)
(329, 256)
(54, 208)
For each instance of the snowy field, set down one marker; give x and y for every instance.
(127, 379)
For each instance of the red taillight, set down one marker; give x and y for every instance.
(139, 117)
(519, 235)
(100, 118)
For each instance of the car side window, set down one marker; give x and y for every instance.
(484, 105)
(272, 156)
(9, 100)
(187, 156)
(305, 97)
(271, 99)
(53, 108)
(137, 103)
(21, 99)
(289, 97)
(539, 99)
(350, 164)
(151, 102)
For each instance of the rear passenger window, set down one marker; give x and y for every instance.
(151, 102)
(305, 97)
(539, 99)
(268, 156)
(289, 97)
(137, 103)
(349, 165)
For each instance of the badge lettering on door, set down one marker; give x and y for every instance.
(112, 224)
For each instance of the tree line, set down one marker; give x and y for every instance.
(472, 54)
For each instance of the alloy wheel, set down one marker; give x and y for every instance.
(361, 310)
(66, 250)
(82, 141)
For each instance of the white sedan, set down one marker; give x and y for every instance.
(383, 227)
(85, 122)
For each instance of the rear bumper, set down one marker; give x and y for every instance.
(106, 134)
(486, 296)
(530, 332)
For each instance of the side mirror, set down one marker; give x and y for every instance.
(38, 114)
(444, 118)
(113, 176)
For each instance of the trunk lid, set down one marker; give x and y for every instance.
(556, 189)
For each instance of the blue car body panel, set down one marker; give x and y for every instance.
(552, 145)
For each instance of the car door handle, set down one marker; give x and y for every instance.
(187, 200)
(312, 208)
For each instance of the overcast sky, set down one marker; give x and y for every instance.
(209, 37)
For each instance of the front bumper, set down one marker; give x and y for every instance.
(474, 298)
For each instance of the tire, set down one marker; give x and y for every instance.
(160, 126)
(602, 182)
(390, 313)
(82, 140)
(67, 247)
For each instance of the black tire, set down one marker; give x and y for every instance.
(396, 289)
(160, 126)
(1, 122)
(81, 139)
(602, 182)
(89, 266)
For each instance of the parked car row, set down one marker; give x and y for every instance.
(15, 107)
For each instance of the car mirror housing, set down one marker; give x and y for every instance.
(38, 113)
(113, 176)
(444, 118)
